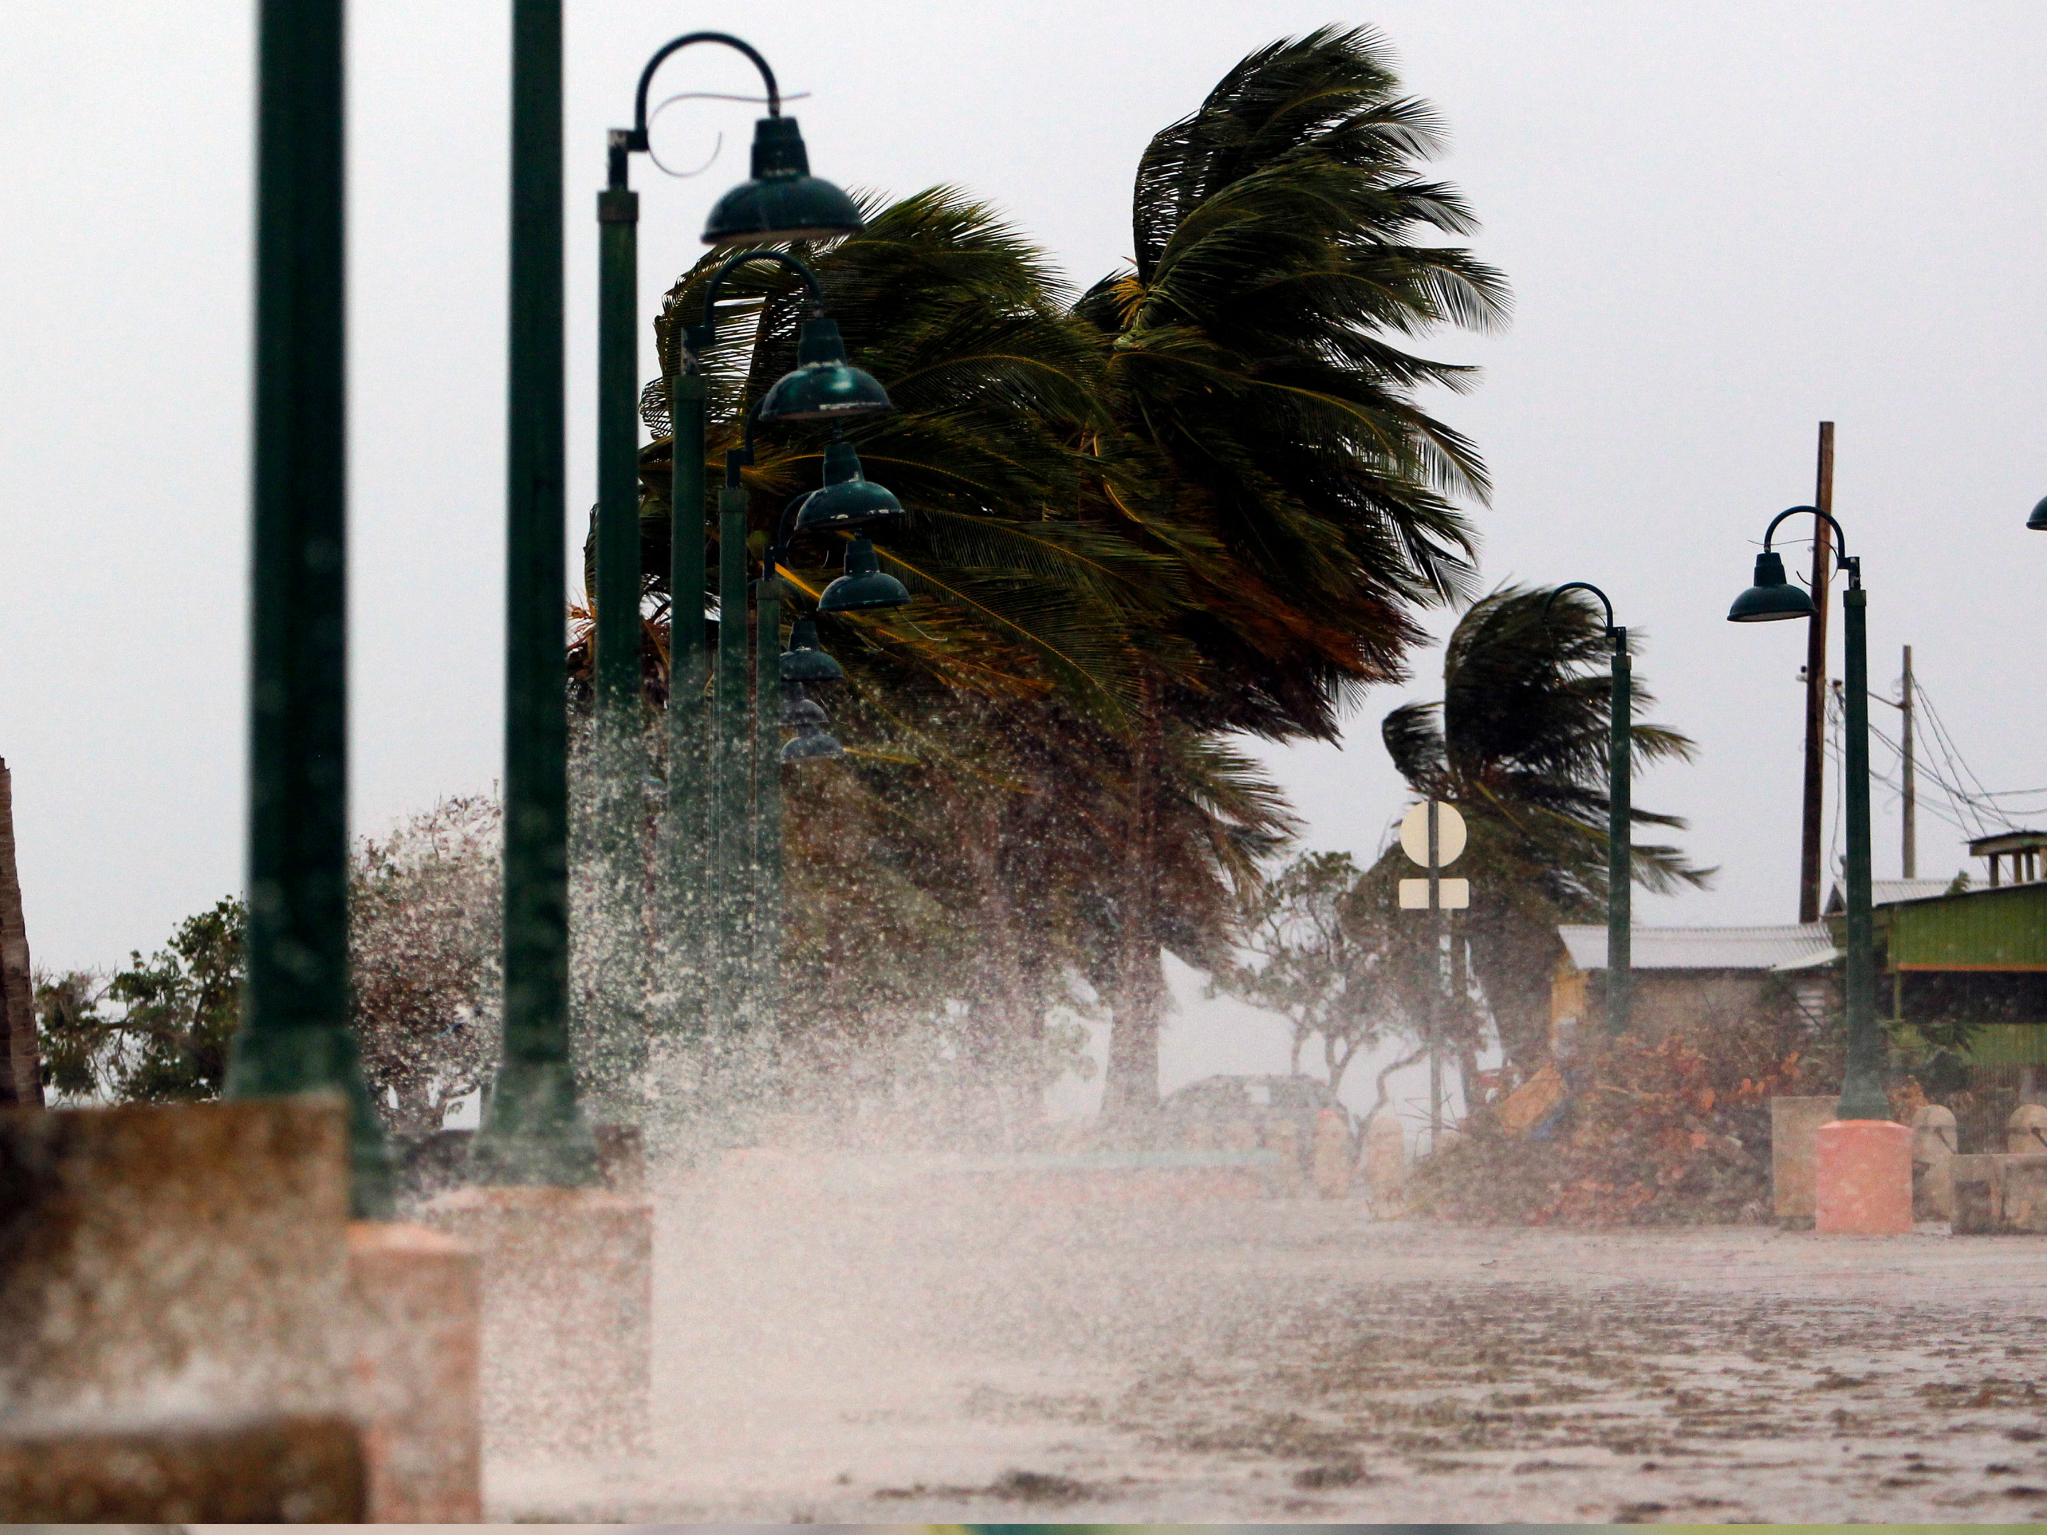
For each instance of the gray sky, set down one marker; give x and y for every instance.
(1722, 222)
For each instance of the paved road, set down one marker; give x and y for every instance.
(857, 1347)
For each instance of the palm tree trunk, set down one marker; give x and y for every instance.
(1138, 986)
(21, 1077)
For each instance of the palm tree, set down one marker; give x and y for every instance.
(1519, 744)
(1264, 425)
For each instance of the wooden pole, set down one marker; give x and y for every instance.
(1816, 685)
(1908, 862)
(21, 1078)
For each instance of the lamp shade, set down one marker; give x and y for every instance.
(800, 711)
(783, 200)
(803, 662)
(823, 386)
(848, 499)
(865, 585)
(2038, 518)
(814, 745)
(1770, 596)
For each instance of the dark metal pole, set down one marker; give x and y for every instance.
(768, 802)
(734, 766)
(533, 1131)
(1811, 766)
(1620, 977)
(620, 1029)
(294, 1035)
(1863, 1095)
(689, 863)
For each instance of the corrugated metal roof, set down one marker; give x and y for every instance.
(1885, 893)
(1696, 949)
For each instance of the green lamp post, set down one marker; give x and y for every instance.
(1620, 976)
(824, 386)
(294, 1035)
(1769, 598)
(534, 1131)
(780, 201)
(847, 500)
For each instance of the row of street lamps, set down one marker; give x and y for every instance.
(1771, 597)
(722, 814)
(295, 1034)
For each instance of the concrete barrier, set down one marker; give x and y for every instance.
(1998, 1192)
(291, 1471)
(1794, 1122)
(2026, 1129)
(1386, 1167)
(567, 1284)
(1934, 1149)
(1863, 1178)
(167, 1261)
(416, 1318)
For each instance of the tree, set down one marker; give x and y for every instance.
(423, 947)
(1519, 744)
(156, 1031)
(1265, 425)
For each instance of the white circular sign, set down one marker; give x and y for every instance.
(1450, 833)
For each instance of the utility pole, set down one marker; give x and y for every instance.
(1907, 861)
(1816, 684)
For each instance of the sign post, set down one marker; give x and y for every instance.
(1433, 835)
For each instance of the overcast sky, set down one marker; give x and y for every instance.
(1723, 223)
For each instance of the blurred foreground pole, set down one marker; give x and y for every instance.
(294, 1036)
(533, 1131)
(1436, 983)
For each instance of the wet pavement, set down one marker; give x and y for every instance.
(861, 1345)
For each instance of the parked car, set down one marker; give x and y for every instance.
(1204, 1112)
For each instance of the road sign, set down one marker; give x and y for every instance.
(1433, 835)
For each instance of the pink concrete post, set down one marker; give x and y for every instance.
(415, 1301)
(1863, 1178)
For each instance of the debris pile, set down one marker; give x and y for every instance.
(1669, 1131)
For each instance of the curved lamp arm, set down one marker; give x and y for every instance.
(637, 137)
(1615, 633)
(1844, 561)
(697, 337)
(626, 141)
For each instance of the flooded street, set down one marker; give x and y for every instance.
(874, 1343)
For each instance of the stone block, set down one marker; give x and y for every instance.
(2026, 1129)
(1330, 1155)
(1934, 1148)
(275, 1471)
(415, 1305)
(1386, 1167)
(1978, 1195)
(567, 1277)
(2023, 1191)
(2000, 1192)
(1863, 1178)
(1794, 1122)
(167, 1261)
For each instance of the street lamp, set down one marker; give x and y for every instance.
(1859, 1163)
(1620, 977)
(2038, 518)
(824, 386)
(780, 201)
(846, 500)
(533, 1130)
(294, 1035)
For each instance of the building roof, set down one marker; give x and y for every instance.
(2012, 840)
(1698, 949)
(1885, 893)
